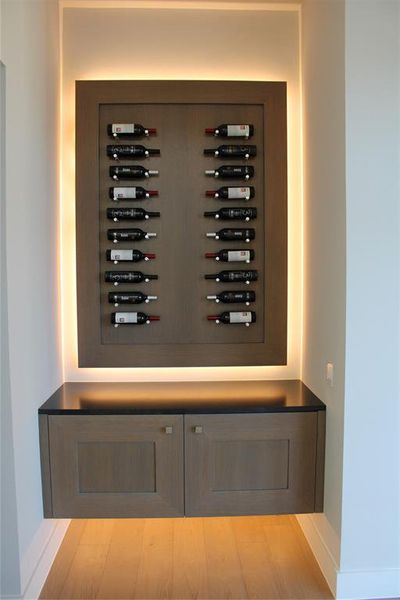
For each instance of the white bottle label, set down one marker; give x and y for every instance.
(123, 128)
(121, 254)
(126, 317)
(243, 192)
(238, 255)
(238, 130)
(124, 192)
(240, 317)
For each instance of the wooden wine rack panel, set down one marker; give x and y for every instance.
(181, 111)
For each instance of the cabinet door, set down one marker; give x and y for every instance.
(116, 466)
(250, 464)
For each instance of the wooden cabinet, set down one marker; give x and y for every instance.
(195, 449)
(115, 466)
(250, 464)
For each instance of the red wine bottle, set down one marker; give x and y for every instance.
(132, 151)
(132, 318)
(129, 130)
(118, 298)
(130, 193)
(133, 172)
(232, 255)
(234, 297)
(130, 214)
(228, 214)
(128, 235)
(233, 235)
(117, 277)
(234, 276)
(231, 172)
(229, 318)
(232, 151)
(232, 193)
(117, 256)
(225, 130)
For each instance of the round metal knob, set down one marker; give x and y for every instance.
(198, 429)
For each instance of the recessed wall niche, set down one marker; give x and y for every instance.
(180, 112)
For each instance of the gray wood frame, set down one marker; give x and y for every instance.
(66, 433)
(298, 430)
(92, 352)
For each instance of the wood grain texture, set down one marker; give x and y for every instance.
(195, 342)
(112, 490)
(205, 558)
(45, 466)
(320, 464)
(221, 464)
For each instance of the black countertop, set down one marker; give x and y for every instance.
(181, 398)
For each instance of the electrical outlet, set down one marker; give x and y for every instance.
(329, 373)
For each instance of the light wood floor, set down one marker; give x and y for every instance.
(219, 558)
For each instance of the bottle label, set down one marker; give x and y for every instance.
(238, 130)
(243, 192)
(240, 317)
(124, 192)
(126, 317)
(123, 128)
(121, 255)
(238, 255)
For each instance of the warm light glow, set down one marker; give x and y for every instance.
(75, 67)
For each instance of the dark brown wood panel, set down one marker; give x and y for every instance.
(263, 464)
(183, 337)
(116, 466)
(45, 466)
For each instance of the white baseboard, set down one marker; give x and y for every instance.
(384, 583)
(37, 561)
(322, 553)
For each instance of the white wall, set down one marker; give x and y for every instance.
(370, 541)
(351, 84)
(180, 44)
(325, 244)
(30, 54)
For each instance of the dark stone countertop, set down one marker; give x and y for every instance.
(201, 397)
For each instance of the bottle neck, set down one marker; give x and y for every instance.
(153, 318)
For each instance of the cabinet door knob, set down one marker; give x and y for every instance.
(168, 429)
(198, 429)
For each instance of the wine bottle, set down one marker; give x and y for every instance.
(130, 214)
(234, 276)
(230, 172)
(246, 317)
(231, 193)
(230, 214)
(117, 256)
(128, 235)
(232, 255)
(130, 193)
(232, 151)
(118, 298)
(129, 130)
(225, 130)
(132, 151)
(117, 277)
(132, 318)
(233, 235)
(234, 297)
(133, 172)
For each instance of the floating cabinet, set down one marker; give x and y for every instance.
(192, 462)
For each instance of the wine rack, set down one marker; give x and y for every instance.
(169, 218)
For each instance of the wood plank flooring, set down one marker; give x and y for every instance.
(205, 558)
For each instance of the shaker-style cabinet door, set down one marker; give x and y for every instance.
(116, 465)
(247, 464)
